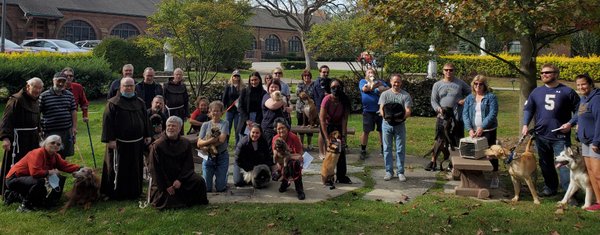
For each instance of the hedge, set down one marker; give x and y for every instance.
(490, 66)
(15, 69)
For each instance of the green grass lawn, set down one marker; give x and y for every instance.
(434, 212)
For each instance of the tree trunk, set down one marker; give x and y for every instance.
(529, 68)
(310, 63)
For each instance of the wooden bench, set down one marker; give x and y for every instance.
(472, 182)
(309, 130)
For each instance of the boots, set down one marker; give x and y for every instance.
(299, 188)
(431, 166)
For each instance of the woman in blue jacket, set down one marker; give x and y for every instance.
(480, 116)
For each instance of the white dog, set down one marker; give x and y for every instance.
(579, 177)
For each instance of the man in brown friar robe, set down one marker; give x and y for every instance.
(177, 97)
(19, 131)
(174, 183)
(126, 131)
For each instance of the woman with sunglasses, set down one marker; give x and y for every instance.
(480, 117)
(27, 179)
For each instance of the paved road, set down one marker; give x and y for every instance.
(266, 67)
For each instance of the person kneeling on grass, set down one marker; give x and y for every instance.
(34, 180)
(174, 182)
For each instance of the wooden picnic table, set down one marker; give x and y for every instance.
(472, 181)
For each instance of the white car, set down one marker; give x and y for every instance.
(53, 45)
(88, 44)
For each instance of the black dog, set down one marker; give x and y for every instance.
(443, 138)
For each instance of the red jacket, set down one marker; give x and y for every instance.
(80, 99)
(37, 162)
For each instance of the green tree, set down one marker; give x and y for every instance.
(534, 23)
(206, 34)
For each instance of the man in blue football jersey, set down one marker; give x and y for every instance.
(551, 105)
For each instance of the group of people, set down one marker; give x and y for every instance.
(147, 119)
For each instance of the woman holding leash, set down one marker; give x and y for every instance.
(230, 99)
(480, 117)
(588, 131)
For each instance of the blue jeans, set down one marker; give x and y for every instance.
(391, 134)
(238, 178)
(232, 118)
(547, 149)
(216, 168)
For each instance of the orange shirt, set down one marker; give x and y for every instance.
(37, 162)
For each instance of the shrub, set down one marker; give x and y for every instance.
(119, 52)
(93, 73)
(487, 65)
(293, 64)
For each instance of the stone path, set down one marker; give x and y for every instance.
(419, 181)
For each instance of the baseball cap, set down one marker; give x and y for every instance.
(235, 73)
(59, 76)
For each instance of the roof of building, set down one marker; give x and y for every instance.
(52, 8)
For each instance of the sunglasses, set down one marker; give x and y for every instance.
(449, 70)
(478, 83)
(278, 73)
(55, 143)
(548, 72)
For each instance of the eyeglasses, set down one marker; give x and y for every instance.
(55, 143)
(548, 72)
(449, 70)
(478, 84)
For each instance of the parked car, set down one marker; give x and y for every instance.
(88, 44)
(11, 47)
(53, 45)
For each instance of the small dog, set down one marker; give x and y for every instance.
(282, 156)
(86, 189)
(259, 177)
(278, 96)
(370, 82)
(522, 168)
(331, 158)
(215, 132)
(309, 111)
(579, 178)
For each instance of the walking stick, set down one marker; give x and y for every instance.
(91, 145)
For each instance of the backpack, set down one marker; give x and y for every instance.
(393, 113)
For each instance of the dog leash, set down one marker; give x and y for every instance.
(511, 156)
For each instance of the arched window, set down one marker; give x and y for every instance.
(272, 43)
(77, 30)
(254, 44)
(125, 31)
(294, 44)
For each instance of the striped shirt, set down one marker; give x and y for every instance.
(57, 110)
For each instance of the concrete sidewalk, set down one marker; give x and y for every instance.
(419, 181)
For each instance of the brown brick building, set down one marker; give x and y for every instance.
(76, 20)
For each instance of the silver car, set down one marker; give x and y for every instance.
(53, 45)
(88, 44)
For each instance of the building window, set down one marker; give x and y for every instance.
(77, 30)
(294, 44)
(125, 31)
(272, 43)
(254, 44)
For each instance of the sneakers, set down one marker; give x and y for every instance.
(363, 155)
(547, 192)
(24, 208)
(301, 195)
(388, 176)
(594, 207)
(11, 197)
(284, 186)
(401, 177)
(495, 182)
(431, 166)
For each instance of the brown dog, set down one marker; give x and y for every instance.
(309, 111)
(215, 132)
(86, 189)
(281, 155)
(521, 168)
(331, 158)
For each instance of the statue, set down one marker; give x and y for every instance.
(482, 45)
(168, 57)
(432, 65)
